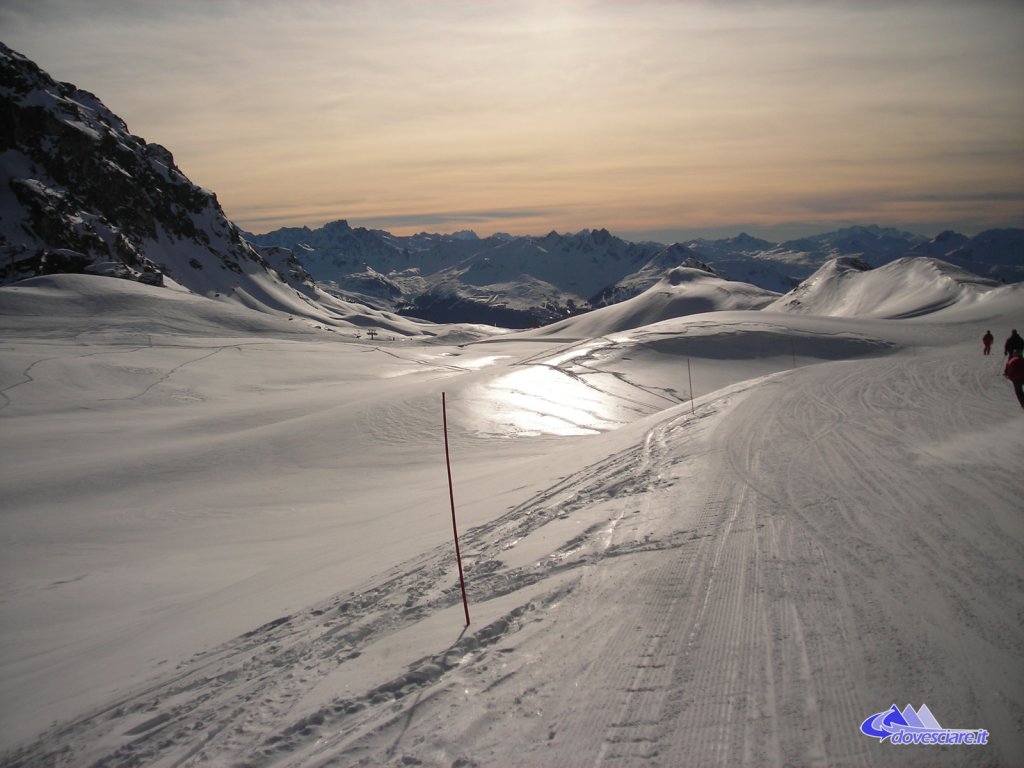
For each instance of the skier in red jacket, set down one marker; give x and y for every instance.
(987, 340)
(1015, 373)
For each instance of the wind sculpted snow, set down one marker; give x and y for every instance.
(230, 545)
(908, 287)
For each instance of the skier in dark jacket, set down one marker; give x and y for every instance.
(987, 340)
(1014, 371)
(1014, 345)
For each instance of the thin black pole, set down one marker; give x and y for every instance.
(451, 497)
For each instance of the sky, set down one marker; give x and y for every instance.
(655, 119)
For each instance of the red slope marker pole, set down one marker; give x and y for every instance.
(690, 378)
(451, 497)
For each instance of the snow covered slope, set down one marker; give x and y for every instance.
(681, 291)
(722, 539)
(651, 273)
(907, 287)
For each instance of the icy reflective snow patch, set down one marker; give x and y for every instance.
(540, 400)
(477, 363)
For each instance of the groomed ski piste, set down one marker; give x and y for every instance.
(717, 539)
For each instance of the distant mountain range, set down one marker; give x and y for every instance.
(79, 193)
(997, 254)
(521, 281)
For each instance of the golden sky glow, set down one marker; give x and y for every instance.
(651, 118)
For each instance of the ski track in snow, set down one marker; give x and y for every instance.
(745, 645)
(739, 640)
(232, 700)
(161, 378)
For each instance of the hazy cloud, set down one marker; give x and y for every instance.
(642, 115)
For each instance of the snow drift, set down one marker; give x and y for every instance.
(227, 544)
(907, 287)
(681, 291)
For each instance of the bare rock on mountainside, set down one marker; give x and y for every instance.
(80, 193)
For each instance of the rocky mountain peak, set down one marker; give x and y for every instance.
(80, 193)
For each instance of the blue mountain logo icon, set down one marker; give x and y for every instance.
(910, 726)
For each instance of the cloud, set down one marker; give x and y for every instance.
(447, 219)
(960, 197)
(645, 114)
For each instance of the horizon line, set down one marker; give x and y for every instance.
(675, 235)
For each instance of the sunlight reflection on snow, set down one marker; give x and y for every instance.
(576, 352)
(540, 400)
(476, 363)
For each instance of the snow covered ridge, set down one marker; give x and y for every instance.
(682, 292)
(997, 253)
(907, 287)
(463, 277)
(519, 282)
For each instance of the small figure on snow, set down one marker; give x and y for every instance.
(1014, 371)
(987, 340)
(1014, 345)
